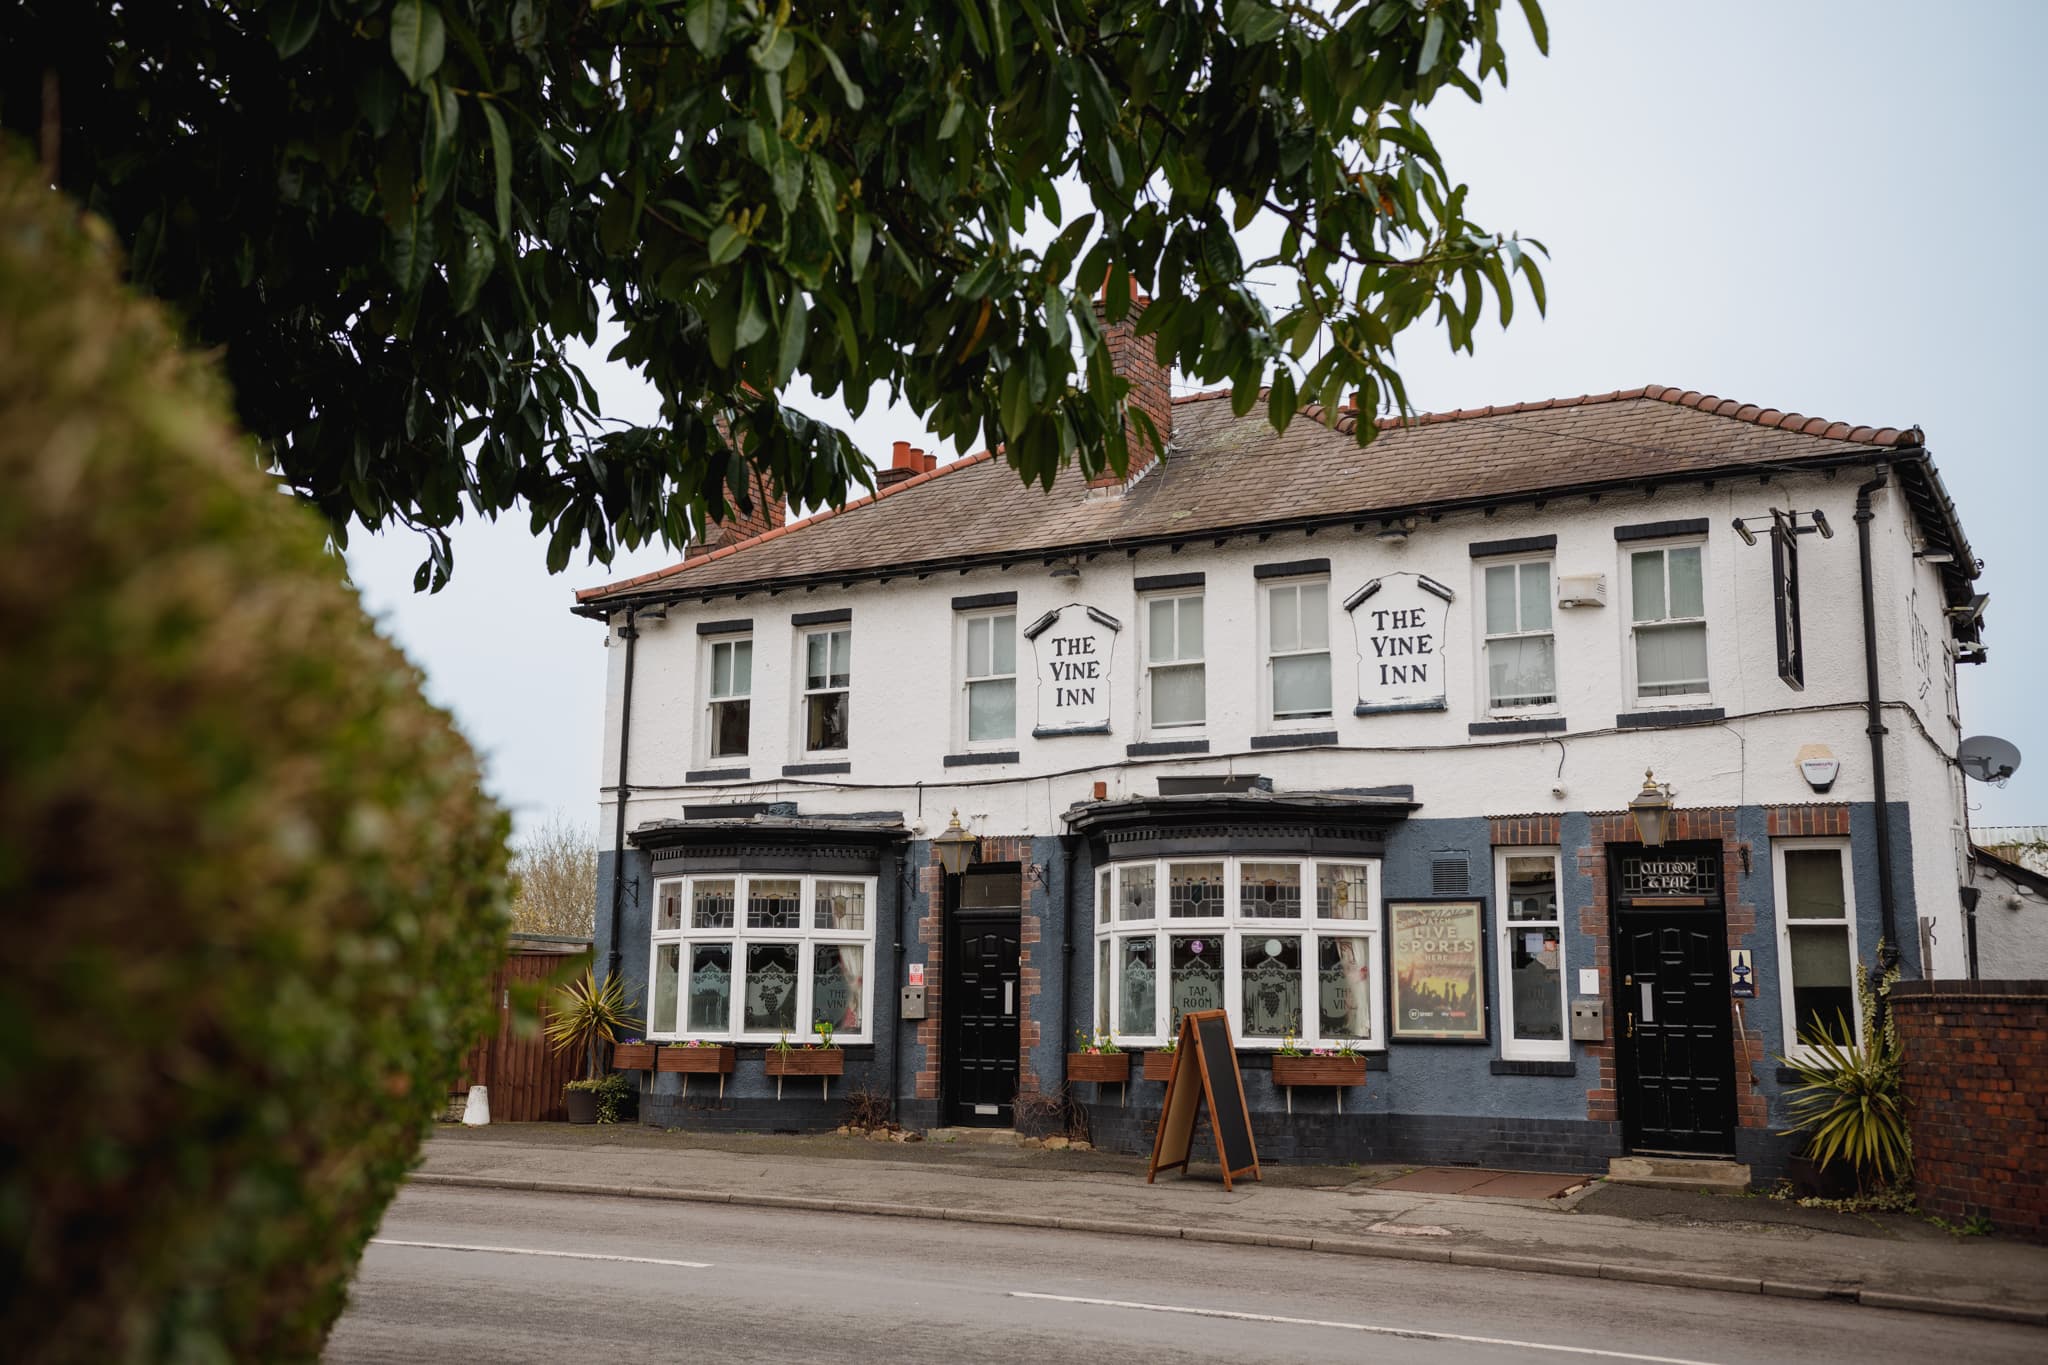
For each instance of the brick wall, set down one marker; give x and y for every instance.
(1976, 1076)
(931, 933)
(1689, 825)
(1136, 359)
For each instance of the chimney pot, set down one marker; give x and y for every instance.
(900, 456)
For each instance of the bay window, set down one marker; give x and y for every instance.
(758, 957)
(1288, 946)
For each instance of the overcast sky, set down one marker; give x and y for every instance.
(1833, 209)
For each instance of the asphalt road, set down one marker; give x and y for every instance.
(483, 1275)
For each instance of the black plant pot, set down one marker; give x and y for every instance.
(582, 1105)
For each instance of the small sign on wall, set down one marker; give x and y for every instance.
(1398, 622)
(1075, 646)
(1741, 974)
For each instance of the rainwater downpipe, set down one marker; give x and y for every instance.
(1887, 907)
(629, 633)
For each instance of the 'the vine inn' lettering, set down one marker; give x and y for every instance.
(1399, 621)
(1075, 647)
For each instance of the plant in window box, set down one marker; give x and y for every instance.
(822, 1059)
(1159, 1061)
(633, 1054)
(587, 1014)
(698, 1058)
(1098, 1059)
(1342, 1065)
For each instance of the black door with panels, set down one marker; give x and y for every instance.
(981, 1000)
(1674, 1058)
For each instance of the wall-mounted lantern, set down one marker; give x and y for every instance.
(956, 847)
(1652, 811)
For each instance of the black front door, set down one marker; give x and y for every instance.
(981, 1001)
(1673, 1054)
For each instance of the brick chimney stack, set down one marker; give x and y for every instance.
(1135, 358)
(769, 512)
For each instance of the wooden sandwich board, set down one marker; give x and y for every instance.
(1205, 1069)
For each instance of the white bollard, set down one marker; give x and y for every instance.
(476, 1113)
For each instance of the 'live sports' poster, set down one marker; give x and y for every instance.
(1439, 970)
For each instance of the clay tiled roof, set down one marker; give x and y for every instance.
(1227, 474)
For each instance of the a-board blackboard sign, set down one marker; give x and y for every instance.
(1205, 1071)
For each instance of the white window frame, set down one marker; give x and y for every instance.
(809, 938)
(805, 691)
(1788, 1012)
(963, 661)
(1635, 700)
(1174, 728)
(713, 644)
(1515, 1049)
(1273, 721)
(1486, 639)
(1232, 928)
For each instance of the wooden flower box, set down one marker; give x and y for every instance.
(1103, 1068)
(807, 1061)
(633, 1056)
(1159, 1066)
(1319, 1071)
(698, 1061)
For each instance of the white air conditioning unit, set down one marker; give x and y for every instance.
(1582, 590)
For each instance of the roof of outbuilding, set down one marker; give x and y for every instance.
(1227, 473)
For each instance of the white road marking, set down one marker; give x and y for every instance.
(1410, 1333)
(536, 1251)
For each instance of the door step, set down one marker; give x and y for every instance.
(987, 1137)
(1679, 1173)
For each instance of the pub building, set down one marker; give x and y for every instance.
(1560, 760)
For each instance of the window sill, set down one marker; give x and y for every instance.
(1672, 715)
(975, 760)
(1528, 725)
(1158, 748)
(718, 775)
(1509, 1066)
(1393, 708)
(1295, 739)
(815, 769)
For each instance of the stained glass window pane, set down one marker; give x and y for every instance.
(769, 1004)
(711, 902)
(669, 915)
(710, 988)
(1138, 894)
(1343, 891)
(661, 1014)
(839, 905)
(1138, 972)
(1194, 890)
(1269, 890)
(1344, 988)
(838, 985)
(774, 903)
(1270, 985)
(1195, 977)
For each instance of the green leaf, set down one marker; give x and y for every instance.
(851, 92)
(727, 242)
(796, 323)
(752, 324)
(1432, 43)
(417, 38)
(863, 243)
(292, 25)
(706, 23)
(1281, 403)
(1539, 29)
(501, 166)
(472, 262)
(1254, 23)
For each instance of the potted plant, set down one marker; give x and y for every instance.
(633, 1054)
(1342, 1065)
(586, 1014)
(607, 1097)
(1098, 1059)
(1159, 1062)
(1849, 1102)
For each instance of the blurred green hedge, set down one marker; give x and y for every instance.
(252, 891)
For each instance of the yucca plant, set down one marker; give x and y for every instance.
(1849, 1102)
(586, 1013)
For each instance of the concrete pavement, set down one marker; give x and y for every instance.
(1749, 1245)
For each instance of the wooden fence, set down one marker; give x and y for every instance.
(524, 1074)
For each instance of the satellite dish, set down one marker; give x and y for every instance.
(1988, 759)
